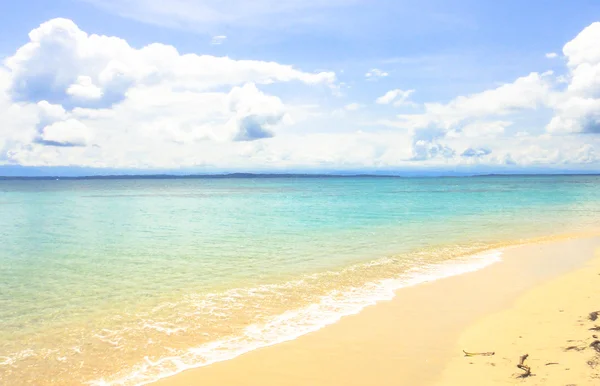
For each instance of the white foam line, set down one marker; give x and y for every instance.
(293, 324)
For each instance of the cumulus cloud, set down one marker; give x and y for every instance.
(70, 132)
(576, 115)
(50, 113)
(469, 116)
(425, 150)
(583, 48)
(71, 98)
(257, 114)
(478, 152)
(586, 154)
(528, 92)
(19, 121)
(84, 88)
(551, 55)
(65, 88)
(525, 93)
(397, 96)
(63, 64)
(578, 108)
(375, 73)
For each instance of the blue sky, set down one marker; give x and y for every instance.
(299, 85)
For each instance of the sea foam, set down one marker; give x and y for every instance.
(292, 324)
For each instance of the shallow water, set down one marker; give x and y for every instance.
(126, 281)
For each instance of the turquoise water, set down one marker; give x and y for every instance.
(126, 281)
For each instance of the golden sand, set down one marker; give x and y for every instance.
(417, 338)
(552, 324)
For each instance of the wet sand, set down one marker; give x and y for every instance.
(417, 338)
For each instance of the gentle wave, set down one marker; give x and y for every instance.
(294, 323)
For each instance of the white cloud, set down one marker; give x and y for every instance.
(63, 64)
(18, 121)
(525, 93)
(398, 96)
(586, 154)
(551, 55)
(256, 114)
(476, 152)
(51, 113)
(425, 150)
(528, 92)
(218, 40)
(578, 108)
(66, 133)
(464, 116)
(84, 88)
(480, 129)
(69, 98)
(584, 48)
(576, 115)
(375, 73)
(68, 88)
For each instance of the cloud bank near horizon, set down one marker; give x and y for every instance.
(69, 98)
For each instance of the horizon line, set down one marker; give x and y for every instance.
(284, 175)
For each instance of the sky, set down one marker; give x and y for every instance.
(204, 86)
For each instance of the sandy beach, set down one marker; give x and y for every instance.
(536, 301)
(556, 326)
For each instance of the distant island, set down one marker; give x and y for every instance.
(278, 175)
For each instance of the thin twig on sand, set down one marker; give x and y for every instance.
(485, 354)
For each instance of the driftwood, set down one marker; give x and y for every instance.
(524, 367)
(472, 354)
(596, 345)
(576, 348)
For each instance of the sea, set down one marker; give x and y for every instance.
(127, 281)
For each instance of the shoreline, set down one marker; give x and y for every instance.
(423, 323)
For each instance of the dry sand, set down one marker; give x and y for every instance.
(416, 339)
(552, 324)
